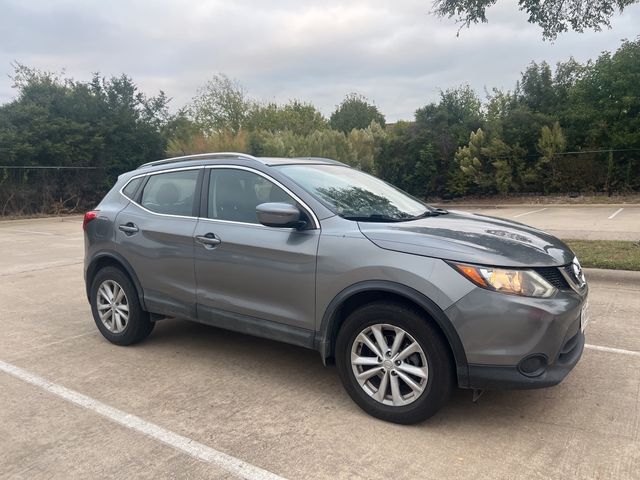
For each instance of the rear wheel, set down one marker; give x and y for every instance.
(116, 309)
(394, 363)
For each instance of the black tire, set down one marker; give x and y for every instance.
(440, 379)
(139, 326)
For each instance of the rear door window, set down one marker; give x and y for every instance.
(171, 193)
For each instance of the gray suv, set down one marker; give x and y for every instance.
(408, 300)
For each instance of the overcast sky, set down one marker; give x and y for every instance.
(394, 52)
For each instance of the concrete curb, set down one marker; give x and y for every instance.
(627, 277)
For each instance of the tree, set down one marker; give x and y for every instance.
(552, 141)
(603, 111)
(220, 104)
(443, 128)
(298, 117)
(490, 164)
(320, 143)
(365, 145)
(106, 124)
(355, 111)
(472, 161)
(553, 16)
(198, 142)
(536, 89)
(517, 143)
(419, 156)
(515, 118)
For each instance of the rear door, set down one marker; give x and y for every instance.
(155, 235)
(251, 277)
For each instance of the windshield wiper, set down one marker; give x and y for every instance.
(433, 212)
(374, 218)
(377, 217)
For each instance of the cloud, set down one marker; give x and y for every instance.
(395, 53)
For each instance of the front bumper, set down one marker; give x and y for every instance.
(492, 377)
(503, 335)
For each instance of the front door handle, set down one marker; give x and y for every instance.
(208, 240)
(129, 228)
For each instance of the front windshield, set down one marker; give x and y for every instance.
(353, 194)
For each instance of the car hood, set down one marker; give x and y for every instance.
(472, 238)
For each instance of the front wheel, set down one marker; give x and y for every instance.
(394, 363)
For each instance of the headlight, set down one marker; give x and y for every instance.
(517, 282)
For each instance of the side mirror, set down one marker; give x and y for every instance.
(276, 214)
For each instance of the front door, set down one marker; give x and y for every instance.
(250, 277)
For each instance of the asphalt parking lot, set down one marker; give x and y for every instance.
(197, 402)
(585, 222)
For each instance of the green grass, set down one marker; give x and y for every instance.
(614, 254)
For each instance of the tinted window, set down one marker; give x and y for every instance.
(235, 194)
(171, 193)
(131, 187)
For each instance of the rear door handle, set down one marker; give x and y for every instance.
(208, 240)
(129, 228)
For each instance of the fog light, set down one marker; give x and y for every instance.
(533, 365)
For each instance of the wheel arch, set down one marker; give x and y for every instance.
(112, 259)
(364, 292)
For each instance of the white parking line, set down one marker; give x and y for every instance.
(191, 447)
(615, 213)
(613, 350)
(195, 449)
(528, 213)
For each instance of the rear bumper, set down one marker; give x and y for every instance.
(497, 377)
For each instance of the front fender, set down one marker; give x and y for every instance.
(325, 338)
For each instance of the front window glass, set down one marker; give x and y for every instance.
(234, 194)
(355, 195)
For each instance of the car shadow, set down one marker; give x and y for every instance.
(298, 369)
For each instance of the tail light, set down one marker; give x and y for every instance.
(88, 217)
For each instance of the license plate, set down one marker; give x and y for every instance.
(584, 315)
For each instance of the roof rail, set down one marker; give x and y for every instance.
(324, 159)
(187, 158)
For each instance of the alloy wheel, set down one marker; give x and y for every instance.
(389, 364)
(113, 306)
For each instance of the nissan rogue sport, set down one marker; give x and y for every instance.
(408, 300)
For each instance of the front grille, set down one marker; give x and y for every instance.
(554, 277)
